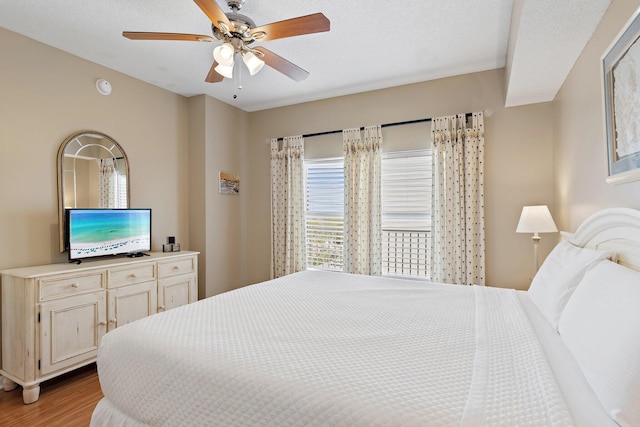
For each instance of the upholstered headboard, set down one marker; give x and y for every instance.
(614, 229)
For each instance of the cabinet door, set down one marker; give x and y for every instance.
(176, 291)
(130, 303)
(70, 330)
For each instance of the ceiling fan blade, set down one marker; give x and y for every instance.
(213, 11)
(315, 23)
(134, 35)
(278, 63)
(213, 76)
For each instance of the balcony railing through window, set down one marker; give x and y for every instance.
(324, 242)
(406, 253)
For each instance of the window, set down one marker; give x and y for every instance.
(324, 213)
(406, 213)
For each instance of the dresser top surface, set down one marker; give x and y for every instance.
(116, 261)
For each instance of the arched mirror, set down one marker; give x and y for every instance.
(93, 172)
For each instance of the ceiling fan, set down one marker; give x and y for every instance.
(238, 32)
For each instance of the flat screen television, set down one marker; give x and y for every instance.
(103, 232)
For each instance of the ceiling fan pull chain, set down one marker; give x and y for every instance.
(237, 77)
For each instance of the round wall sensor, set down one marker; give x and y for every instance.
(103, 86)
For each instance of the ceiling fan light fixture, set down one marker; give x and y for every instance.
(225, 70)
(236, 32)
(253, 63)
(224, 54)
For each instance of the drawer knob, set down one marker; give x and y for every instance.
(133, 275)
(75, 285)
(112, 320)
(161, 307)
(104, 322)
(175, 267)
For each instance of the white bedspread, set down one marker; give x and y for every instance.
(332, 349)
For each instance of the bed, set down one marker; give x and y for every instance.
(331, 349)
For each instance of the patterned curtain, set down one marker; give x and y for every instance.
(362, 183)
(288, 253)
(122, 189)
(458, 200)
(107, 183)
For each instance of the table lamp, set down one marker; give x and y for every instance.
(536, 219)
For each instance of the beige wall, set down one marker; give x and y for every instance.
(580, 148)
(217, 134)
(518, 162)
(175, 147)
(46, 95)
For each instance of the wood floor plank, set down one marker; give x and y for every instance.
(67, 400)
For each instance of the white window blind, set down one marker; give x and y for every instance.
(324, 195)
(406, 213)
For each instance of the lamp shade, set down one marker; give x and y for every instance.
(224, 54)
(536, 219)
(253, 63)
(225, 70)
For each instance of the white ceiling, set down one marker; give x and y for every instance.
(371, 45)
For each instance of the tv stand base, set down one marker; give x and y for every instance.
(137, 255)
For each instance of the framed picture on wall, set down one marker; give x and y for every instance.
(621, 94)
(229, 183)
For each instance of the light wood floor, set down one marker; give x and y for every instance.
(64, 401)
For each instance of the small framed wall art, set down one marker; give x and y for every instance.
(229, 183)
(621, 95)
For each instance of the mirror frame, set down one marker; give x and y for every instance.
(60, 165)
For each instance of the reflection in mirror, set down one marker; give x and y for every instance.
(93, 172)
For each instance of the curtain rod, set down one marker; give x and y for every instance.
(386, 125)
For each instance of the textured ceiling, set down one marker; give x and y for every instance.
(371, 45)
(545, 40)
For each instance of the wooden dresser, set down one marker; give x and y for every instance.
(53, 316)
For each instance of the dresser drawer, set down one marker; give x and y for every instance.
(175, 267)
(117, 277)
(59, 287)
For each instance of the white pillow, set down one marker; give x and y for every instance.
(601, 327)
(558, 277)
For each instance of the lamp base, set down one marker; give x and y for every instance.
(536, 242)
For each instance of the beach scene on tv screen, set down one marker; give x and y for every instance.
(98, 233)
